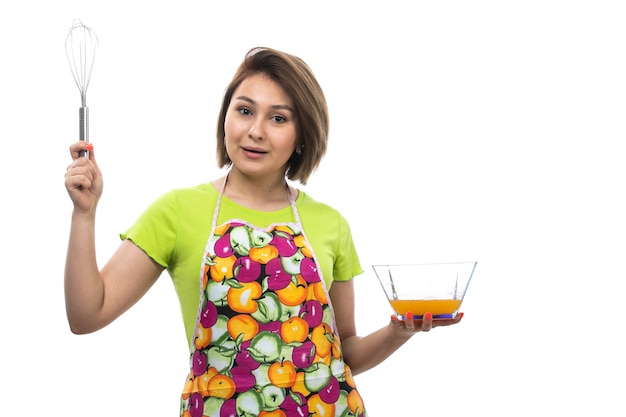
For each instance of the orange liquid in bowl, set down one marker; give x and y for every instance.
(421, 307)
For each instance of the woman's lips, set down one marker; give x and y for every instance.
(253, 152)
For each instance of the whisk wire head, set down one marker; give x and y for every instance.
(81, 45)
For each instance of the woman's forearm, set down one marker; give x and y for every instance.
(364, 353)
(84, 288)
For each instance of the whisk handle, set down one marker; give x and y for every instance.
(83, 127)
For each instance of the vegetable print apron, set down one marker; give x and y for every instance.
(265, 342)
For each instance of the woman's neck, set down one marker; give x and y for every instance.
(264, 194)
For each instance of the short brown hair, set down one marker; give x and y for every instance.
(310, 108)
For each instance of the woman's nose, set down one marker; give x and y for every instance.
(256, 130)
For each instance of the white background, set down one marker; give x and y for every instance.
(494, 130)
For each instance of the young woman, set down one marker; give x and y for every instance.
(263, 272)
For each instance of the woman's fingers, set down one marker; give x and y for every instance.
(79, 176)
(409, 323)
(83, 179)
(75, 151)
(81, 146)
(425, 323)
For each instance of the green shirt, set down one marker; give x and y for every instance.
(175, 228)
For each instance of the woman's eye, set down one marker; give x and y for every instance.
(279, 119)
(245, 111)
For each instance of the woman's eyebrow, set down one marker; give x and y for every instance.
(275, 106)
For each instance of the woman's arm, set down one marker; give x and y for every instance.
(364, 353)
(95, 298)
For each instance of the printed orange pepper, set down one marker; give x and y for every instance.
(295, 329)
(242, 324)
(203, 337)
(244, 298)
(188, 387)
(263, 255)
(295, 293)
(222, 268)
(283, 228)
(318, 408)
(203, 381)
(349, 378)
(355, 403)
(298, 385)
(282, 374)
(274, 413)
(221, 386)
(220, 230)
(301, 243)
(322, 338)
(316, 292)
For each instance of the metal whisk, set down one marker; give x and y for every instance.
(81, 45)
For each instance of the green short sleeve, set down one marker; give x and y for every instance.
(155, 231)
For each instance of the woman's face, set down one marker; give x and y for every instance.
(260, 127)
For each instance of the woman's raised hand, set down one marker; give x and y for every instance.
(83, 179)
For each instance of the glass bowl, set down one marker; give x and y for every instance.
(437, 288)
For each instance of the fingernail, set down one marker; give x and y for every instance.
(89, 146)
(394, 318)
(409, 315)
(428, 316)
(460, 315)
